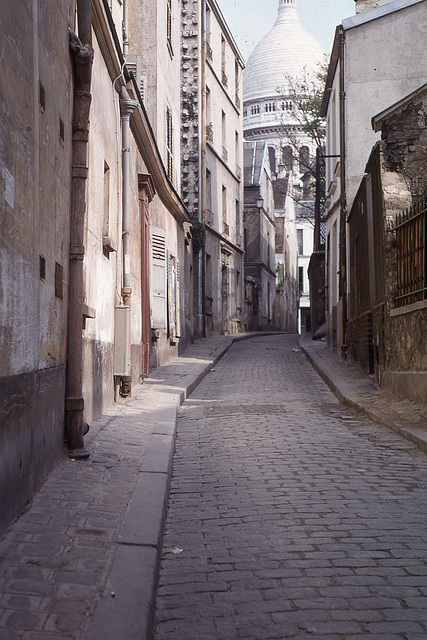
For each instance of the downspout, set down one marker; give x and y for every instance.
(202, 177)
(343, 200)
(82, 54)
(127, 107)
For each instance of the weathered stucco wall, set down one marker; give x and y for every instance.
(385, 60)
(35, 177)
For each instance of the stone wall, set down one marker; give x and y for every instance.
(35, 183)
(190, 80)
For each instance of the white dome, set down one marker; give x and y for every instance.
(287, 51)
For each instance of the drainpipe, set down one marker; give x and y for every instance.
(82, 54)
(343, 201)
(127, 107)
(202, 177)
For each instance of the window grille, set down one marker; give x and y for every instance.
(411, 241)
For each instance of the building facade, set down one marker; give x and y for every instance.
(279, 76)
(368, 71)
(212, 160)
(36, 101)
(259, 239)
(387, 311)
(104, 273)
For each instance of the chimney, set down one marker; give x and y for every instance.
(365, 5)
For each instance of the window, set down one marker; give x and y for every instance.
(411, 239)
(106, 225)
(208, 105)
(224, 136)
(270, 106)
(255, 109)
(224, 210)
(59, 278)
(224, 129)
(304, 159)
(300, 239)
(61, 129)
(224, 78)
(42, 98)
(158, 279)
(208, 25)
(42, 267)
(173, 294)
(237, 219)
(169, 143)
(236, 83)
(288, 158)
(169, 25)
(301, 280)
(272, 158)
(209, 213)
(287, 105)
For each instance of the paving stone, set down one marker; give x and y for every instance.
(320, 503)
(292, 511)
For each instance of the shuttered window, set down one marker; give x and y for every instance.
(158, 279)
(174, 305)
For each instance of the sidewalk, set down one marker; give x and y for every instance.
(82, 560)
(356, 390)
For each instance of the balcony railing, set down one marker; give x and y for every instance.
(224, 154)
(226, 229)
(209, 133)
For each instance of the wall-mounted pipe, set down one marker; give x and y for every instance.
(202, 163)
(343, 200)
(82, 54)
(127, 106)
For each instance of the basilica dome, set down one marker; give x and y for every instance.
(287, 51)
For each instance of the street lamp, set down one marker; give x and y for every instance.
(260, 202)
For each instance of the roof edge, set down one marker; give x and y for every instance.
(377, 120)
(377, 12)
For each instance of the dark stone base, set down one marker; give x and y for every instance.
(31, 435)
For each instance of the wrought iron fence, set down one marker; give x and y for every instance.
(411, 242)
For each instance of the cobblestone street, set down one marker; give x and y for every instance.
(290, 515)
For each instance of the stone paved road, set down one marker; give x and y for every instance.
(290, 516)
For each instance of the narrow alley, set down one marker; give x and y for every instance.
(290, 515)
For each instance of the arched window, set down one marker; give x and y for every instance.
(304, 159)
(288, 158)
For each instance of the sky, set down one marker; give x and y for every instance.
(250, 20)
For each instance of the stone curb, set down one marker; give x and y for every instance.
(413, 435)
(127, 607)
